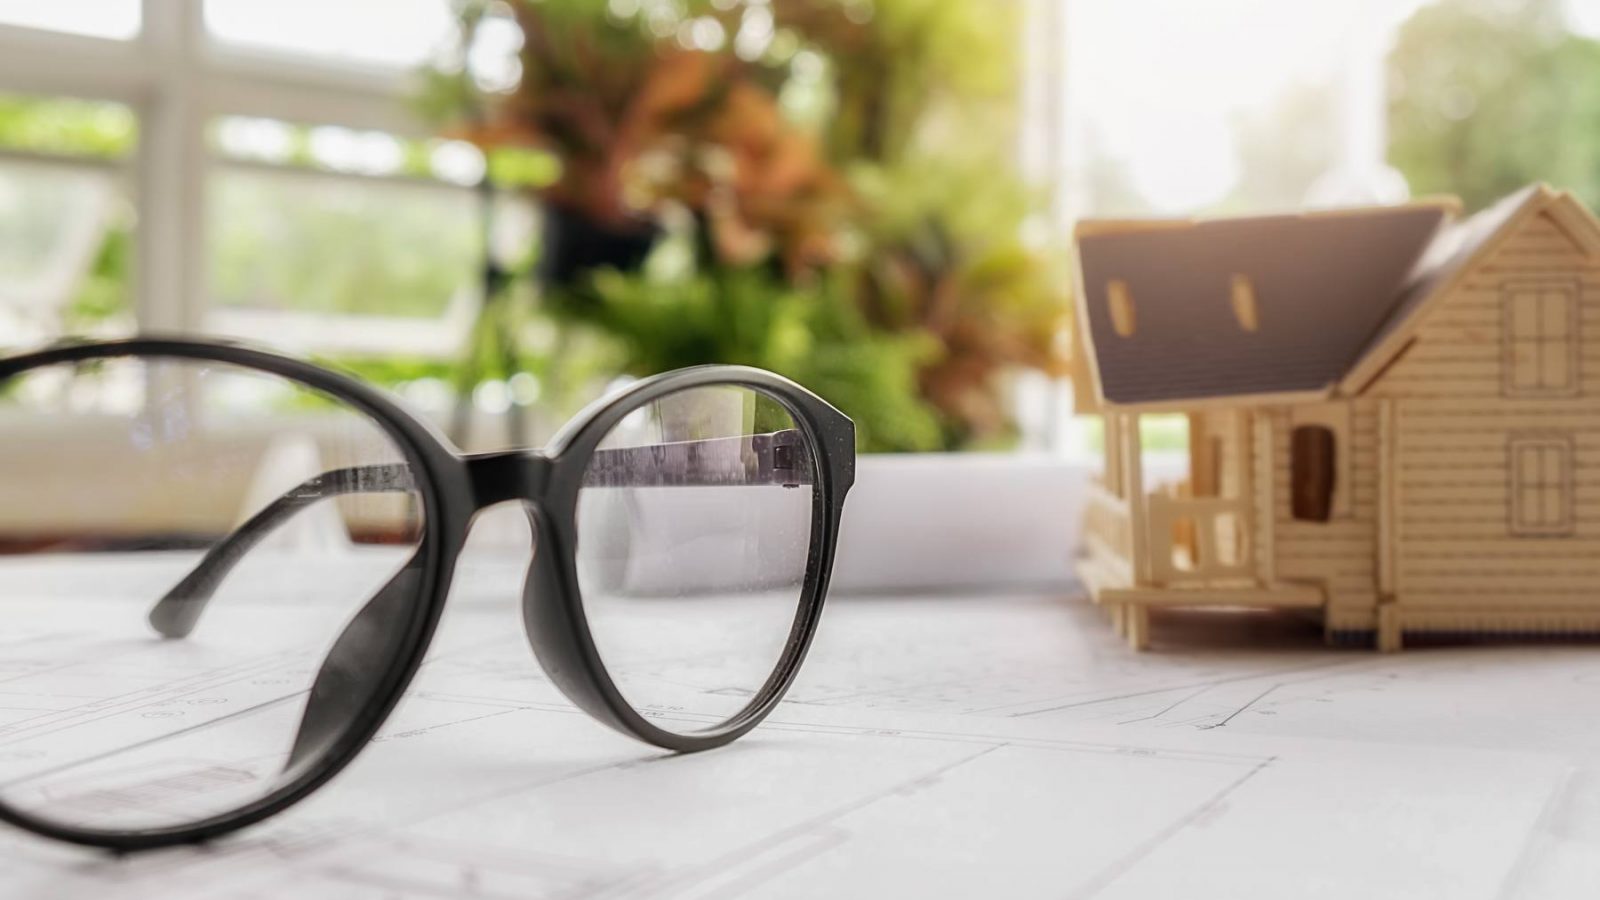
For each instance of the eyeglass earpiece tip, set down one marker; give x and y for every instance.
(176, 615)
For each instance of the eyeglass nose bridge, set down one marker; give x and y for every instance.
(508, 475)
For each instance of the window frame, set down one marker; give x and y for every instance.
(177, 79)
(1560, 485)
(1569, 343)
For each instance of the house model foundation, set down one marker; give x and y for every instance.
(1393, 417)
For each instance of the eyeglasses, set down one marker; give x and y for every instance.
(220, 568)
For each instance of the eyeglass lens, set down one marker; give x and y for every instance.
(694, 533)
(117, 478)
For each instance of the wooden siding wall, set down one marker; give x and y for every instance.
(1341, 554)
(1458, 565)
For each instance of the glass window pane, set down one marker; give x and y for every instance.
(95, 18)
(322, 255)
(60, 126)
(394, 33)
(1228, 106)
(65, 220)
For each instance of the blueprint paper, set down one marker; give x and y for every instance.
(1000, 746)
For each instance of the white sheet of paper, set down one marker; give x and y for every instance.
(1002, 746)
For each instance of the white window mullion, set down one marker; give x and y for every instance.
(170, 167)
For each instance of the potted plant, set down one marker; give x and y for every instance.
(811, 186)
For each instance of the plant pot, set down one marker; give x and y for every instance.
(573, 245)
(960, 521)
(913, 523)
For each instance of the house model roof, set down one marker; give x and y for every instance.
(1280, 304)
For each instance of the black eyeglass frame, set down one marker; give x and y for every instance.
(454, 488)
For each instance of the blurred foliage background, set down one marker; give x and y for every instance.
(1487, 96)
(824, 188)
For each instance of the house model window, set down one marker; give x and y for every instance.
(1541, 487)
(1541, 340)
(1243, 295)
(1120, 301)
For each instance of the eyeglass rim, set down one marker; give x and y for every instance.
(827, 432)
(554, 619)
(423, 450)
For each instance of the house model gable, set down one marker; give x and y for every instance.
(1562, 224)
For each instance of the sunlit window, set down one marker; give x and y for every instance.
(65, 220)
(1228, 105)
(284, 240)
(386, 260)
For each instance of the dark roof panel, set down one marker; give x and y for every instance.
(1456, 246)
(1323, 285)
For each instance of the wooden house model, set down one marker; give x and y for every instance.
(1393, 416)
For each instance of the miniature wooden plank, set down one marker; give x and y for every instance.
(1388, 498)
(1281, 595)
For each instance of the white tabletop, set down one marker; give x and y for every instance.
(949, 746)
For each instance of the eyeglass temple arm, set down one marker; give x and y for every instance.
(777, 458)
(176, 613)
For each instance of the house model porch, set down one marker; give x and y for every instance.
(1393, 423)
